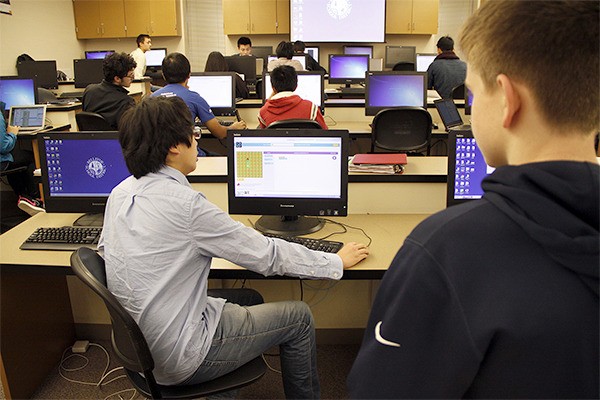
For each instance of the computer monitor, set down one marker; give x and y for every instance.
(16, 91)
(466, 168)
(301, 58)
(44, 72)
(395, 89)
(468, 101)
(313, 51)
(288, 176)
(244, 65)
(359, 50)
(396, 54)
(310, 87)
(423, 61)
(262, 51)
(347, 68)
(97, 54)
(217, 88)
(87, 72)
(79, 170)
(155, 56)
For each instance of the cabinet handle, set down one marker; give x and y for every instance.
(98, 30)
(408, 27)
(253, 27)
(413, 27)
(248, 27)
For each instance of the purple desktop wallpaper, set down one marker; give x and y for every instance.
(470, 169)
(349, 67)
(17, 92)
(396, 91)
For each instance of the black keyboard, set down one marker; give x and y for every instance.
(64, 238)
(71, 95)
(327, 246)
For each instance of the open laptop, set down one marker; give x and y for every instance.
(28, 118)
(449, 115)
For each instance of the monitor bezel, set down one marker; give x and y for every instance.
(92, 204)
(370, 54)
(273, 206)
(17, 78)
(245, 65)
(52, 83)
(389, 64)
(318, 48)
(78, 83)
(221, 111)
(347, 81)
(321, 107)
(88, 52)
(373, 110)
(159, 65)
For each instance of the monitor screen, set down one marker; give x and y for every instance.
(396, 54)
(395, 89)
(300, 58)
(44, 72)
(15, 91)
(423, 61)
(468, 101)
(217, 88)
(348, 68)
(262, 51)
(337, 21)
(310, 87)
(97, 54)
(359, 50)
(466, 168)
(154, 57)
(80, 169)
(313, 51)
(245, 66)
(288, 173)
(87, 72)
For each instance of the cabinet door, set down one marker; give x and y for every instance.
(112, 19)
(236, 17)
(137, 17)
(263, 16)
(283, 16)
(87, 19)
(425, 16)
(398, 16)
(164, 18)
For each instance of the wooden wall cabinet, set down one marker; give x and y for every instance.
(152, 17)
(412, 16)
(256, 17)
(99, 19)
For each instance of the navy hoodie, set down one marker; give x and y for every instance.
(497, 298)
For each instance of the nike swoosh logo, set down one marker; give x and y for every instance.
(380, 338)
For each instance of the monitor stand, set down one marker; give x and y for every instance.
(349, 90)
(90, 220)
(288, 225)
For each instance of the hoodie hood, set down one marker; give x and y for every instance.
(283, 102)
(555, 210)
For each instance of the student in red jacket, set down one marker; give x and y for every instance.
(284, 104)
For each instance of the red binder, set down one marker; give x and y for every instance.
(380, 158)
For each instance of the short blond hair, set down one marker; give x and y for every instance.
(551, 46)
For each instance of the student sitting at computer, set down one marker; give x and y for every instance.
(284, 52)
(22, 183)
(216, 63)
(244, 45)
(311, 63)
(158, 241)
(176, 70)
(446, 71)
(284, 103)
(110, 98)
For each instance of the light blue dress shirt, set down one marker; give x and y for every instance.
(158, 241)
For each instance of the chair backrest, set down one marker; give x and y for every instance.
(458, 92)
(401, 129)
(295, 124)
(404, 66)
(128, 342)
(89, 121)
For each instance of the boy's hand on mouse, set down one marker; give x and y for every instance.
(352, 253)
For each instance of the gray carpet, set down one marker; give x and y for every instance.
(334, 362)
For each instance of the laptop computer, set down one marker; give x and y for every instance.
(449, 115)
(28, 118)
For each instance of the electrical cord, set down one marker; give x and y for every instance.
(268, 365)
(345, 230)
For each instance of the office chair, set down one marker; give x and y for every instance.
(89, 121)
(295, 124)
(401, 129)
(404, 66)
(458, 92)
(131, 348)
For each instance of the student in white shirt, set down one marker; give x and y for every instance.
(144, 43)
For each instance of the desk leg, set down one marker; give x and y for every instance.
(36, 326)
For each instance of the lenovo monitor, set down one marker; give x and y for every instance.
(217, 88)
(97, 54)
(391, 89)
(16, 91)
(243, 65)
(310, 87)
(424, 60)
(87, 72)
(290, 177)
(400, 54)
(368, 50)
(154, 57)
(44, 72)
(348, 69)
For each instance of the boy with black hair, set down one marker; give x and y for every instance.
(285, 54)
(244, 45)
(158, 241)
(311, 63)
(110, 98)
(144, 43)
(284, 103)
(447, 71)
(498, 298)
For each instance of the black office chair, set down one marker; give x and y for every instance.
(458, 92)
(295, 124)
(89, 121)
(402, 130)
(404, 66)
(131, 348)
